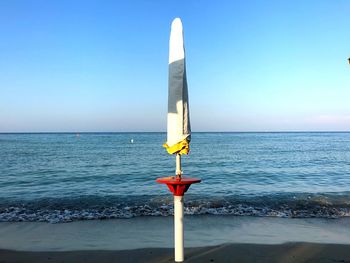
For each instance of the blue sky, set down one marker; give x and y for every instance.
(102, 65)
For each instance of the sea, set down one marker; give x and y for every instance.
(65, 177)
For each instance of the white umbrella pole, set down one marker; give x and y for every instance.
(178, 218)
(178, 165)
(179, 228)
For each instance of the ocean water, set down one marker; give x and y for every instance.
(68, 177)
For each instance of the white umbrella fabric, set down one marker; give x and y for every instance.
(178, 125)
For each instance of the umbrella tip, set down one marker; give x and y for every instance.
(176, 22)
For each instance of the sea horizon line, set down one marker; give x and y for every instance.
(111, 132)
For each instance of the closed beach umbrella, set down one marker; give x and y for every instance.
(178, 126)
(178, 131)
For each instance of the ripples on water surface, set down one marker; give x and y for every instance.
(65, 177)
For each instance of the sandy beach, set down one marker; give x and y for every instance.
(289, 252)
(150, 239)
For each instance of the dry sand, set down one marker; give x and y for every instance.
(283, 253)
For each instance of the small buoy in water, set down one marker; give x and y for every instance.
(132, 141)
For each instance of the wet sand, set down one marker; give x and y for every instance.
(286, 253)
(150, 239)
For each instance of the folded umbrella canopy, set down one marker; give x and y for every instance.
(178, 127)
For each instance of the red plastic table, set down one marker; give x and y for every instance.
(178, 186)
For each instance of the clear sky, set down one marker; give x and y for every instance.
(103, 65)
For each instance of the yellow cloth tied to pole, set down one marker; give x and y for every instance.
(182, 147)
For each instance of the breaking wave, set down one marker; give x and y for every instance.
(97, 207)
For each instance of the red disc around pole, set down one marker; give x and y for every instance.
(178, 186)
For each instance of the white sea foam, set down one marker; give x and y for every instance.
(67, 210)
